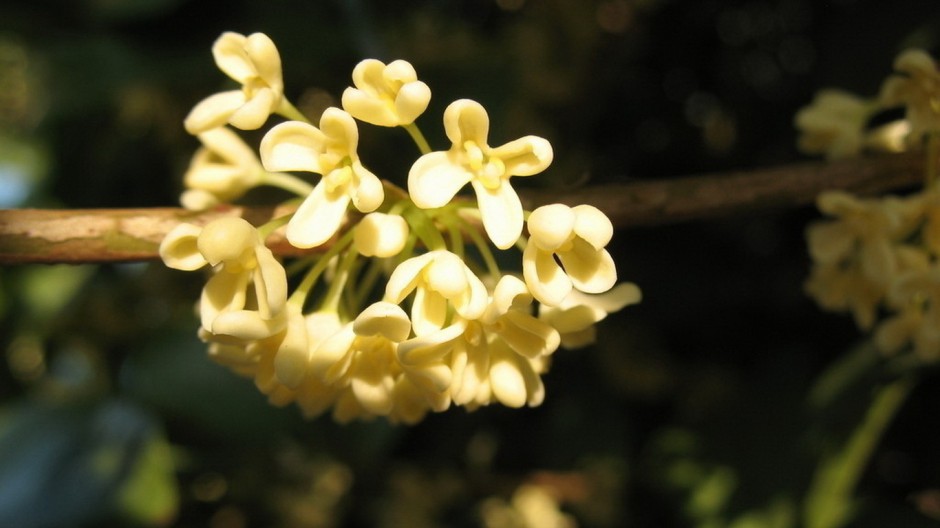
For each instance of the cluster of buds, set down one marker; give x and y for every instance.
(401, 307)
(838, 124)
(879, 258)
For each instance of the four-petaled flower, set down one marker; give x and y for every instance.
(386, 95)
(439, 279)
(229, 306)
(577, 236)
(330, 151)
(223, 169)
(437, 176)
(254, 62)
(918, 88)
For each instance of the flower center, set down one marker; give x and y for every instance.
(489, 170)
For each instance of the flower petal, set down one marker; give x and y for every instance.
(592, 225)
(265, 59)
(431, 347)
(525, 156)
(590, 270)
(368, 193)
(293, 146)
(551, 226)
(435, 178)
(341, 128)
(365, 107)
(466, 120)
(501, 211)
(231, 56)
(330, 361)
(404, 278)
(179, 248)
(385, 319)
(548, 283)
(428, 311)
(318, 217)
(412, 101)
(507, 380)
(527, 335)
(293, 355)
(223, 292)
(270, 283)
(256, 110)
(247, 325)
(213, 111)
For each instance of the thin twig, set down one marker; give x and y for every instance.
(123, 235)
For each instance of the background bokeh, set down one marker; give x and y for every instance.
(691, 410)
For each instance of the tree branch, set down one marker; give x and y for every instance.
(123, 235)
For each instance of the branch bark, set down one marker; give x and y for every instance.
(124, 235)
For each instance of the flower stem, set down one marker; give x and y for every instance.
(269, 227)
(287, 182)
(485, 252)
(418, 137)
(299, 297)
(829, 501)
(288, 110)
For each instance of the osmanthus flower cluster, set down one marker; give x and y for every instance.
(879, 258)
(400, 307)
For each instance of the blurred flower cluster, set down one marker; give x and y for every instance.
(401, 306)
(879, 258)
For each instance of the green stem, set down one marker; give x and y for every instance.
(266, 229)
(288, 110)
(287, 182)
(483, 247)
(335, 293)
(299, 297)
(829, 501)
(418, 137)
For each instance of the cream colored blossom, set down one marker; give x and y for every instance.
(361, 359)
(254, 62)
(386, 95)
(495, 358)
(916, 294)
(576, 316)
(861, 251)
(436, 177)
(223, 169)
(531, 506)
(916, 86)
(330, 151)
(577, 236)
(380, 235)
(439, 279)
(834, 124)
(246, 296)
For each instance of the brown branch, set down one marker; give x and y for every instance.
(121, 235)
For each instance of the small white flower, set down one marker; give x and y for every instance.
(254, 62)
(229, 305)
(577, 236)
(386, 95)
(438, 278)
(436, 177)
(330, 151)
(834, 124)
(223, 169)
(917, 86)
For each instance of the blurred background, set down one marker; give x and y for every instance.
(691, 410)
